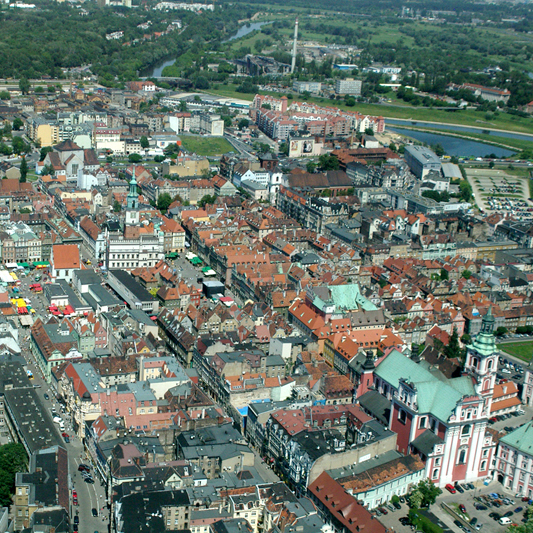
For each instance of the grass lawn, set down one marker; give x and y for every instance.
(208, 146)
(521, 350)
(229, 91)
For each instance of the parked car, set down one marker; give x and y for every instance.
(479, 525)
(458, 488)
(397, 505)
(507, 514)
(481, 507)
(462, 508)
(518, 509)
(46, 397)
(89, 480)
(383, 510)
(94, 511)
(449, 487)
(473, 522)
(76, 519)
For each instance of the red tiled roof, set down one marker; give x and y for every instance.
(66, 256)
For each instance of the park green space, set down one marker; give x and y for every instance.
(521, 350)
(206, 146)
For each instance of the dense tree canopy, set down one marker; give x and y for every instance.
(13, 459)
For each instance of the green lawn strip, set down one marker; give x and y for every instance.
(422, 523)
(207, 146)
(491, 195)
(521, 350)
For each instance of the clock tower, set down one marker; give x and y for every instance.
(482, 360)
(132, 203)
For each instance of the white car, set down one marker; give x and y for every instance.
(505, 371)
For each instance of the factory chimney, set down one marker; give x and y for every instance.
(294, 47)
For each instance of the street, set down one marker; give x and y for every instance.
(90, 496)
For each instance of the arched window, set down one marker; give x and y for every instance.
(435, 473)
(474, 361)
(462, 457)
(466, 430)
(491, 362)
(483, 465)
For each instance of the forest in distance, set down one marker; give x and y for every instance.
(452, 51)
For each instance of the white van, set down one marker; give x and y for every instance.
(61, 426)
(504, 520)
(58, 420)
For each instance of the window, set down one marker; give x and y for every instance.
(466, 430)
(483, 465)
(462, 457)
(422, 423)
(485, 453)
(435, 473)
(402, 416)
(438, 461)
(490, 364)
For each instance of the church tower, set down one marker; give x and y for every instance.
(132, 204)
(482, 360)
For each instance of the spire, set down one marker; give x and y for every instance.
(484, 342)
(487, 324)
(133, 196)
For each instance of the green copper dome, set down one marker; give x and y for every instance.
(484, 342)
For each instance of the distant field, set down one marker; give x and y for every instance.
(207, 146)
(521, 350)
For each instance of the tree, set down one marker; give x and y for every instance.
(466, 338)
(207, 199)
(23, 170)
(310, 167)
(4, 95)
(19, 146)
(135, 158)
(443, 274)
(17, 124)
(500, 331)
(159, 158)
(328, 162)
(163, 202)
(144, 142)
(13, 459)
(117, 208)
(369, 131)
(415, 499)
(48, 170)
(243, 123)
(428, 491)
(466, 274)
(453, 349)
(44, 151)
(24, 85)
(392, 147)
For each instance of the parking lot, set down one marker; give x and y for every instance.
(496, 190)
(469, 498)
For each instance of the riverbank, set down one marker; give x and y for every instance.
(512, 144)
(466, 118)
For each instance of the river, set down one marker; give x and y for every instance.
(155, 71)
(453, 127)
(454, 145)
